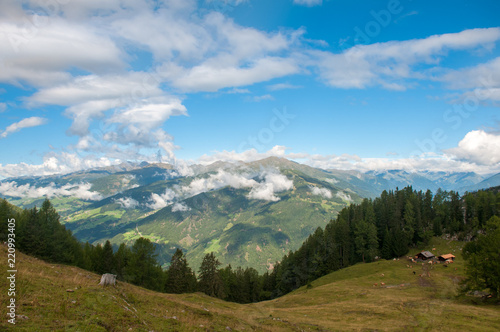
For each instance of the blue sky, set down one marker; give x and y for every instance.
(360, 85)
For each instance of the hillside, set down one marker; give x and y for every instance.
(344, 300)
(249, 214)
(221, 216)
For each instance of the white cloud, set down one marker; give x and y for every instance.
(264, 192)
(332, 181)
(273, 183)
(3, 107)
(482, 82)
(485, 75)
(139, 125)
(38, 49)
(235, 56)
(160, 201)
(127, 202)
(216, 181)
(390, 64)
(89, 97)
(308, 3)
(433, 162)
(344, 196)
(426, 161)
(56, 164)
(215, 75)
(180, 207)
(132, 105)
(81, 191)
(321, 191)
(245, 156)
(24, 123)
(166, 32)
(478, 147)
(279, 181)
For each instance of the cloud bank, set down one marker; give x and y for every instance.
(321, 191)
(82, 191)
(263, 185)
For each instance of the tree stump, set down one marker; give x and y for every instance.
(108, 279)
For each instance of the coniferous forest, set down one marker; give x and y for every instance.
(385, 227)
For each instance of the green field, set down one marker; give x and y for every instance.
(342, 301)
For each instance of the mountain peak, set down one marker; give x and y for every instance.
(274, 161)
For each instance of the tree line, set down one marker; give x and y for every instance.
(385, 227)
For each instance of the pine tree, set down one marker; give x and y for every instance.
(107, 258)
(209, 280)
(386, 251)
(96, 258)
(481, 256)
(366, 241)
(180, 277)
(122, 259)
(143, 268)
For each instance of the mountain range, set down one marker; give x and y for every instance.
(249, 214)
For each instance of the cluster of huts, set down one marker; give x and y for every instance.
(430, 257)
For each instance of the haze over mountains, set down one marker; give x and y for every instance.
(249, 214)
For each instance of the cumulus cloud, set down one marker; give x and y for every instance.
(216, 181)
(126, 121)
(180, 207)
(157, 202)
(24, 123)
(332, 181)
(320, 191)
(263, 185)
(273, 183)
(236, 56)
(82, 191)
(479, 147)
(127, 202)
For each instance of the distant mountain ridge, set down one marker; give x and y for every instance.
(250, 214)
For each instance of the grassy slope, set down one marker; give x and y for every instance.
(344, 300)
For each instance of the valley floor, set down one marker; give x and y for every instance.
(385, 295)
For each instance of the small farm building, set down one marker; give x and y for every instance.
(444, 258)
(425, 255)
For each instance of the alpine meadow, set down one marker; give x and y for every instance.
(250, 165)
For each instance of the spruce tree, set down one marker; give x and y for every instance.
(107, 258)
(180, 277)
(482, 260)
(143, 267)
(209, 280)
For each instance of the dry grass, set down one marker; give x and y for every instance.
(345, 300)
